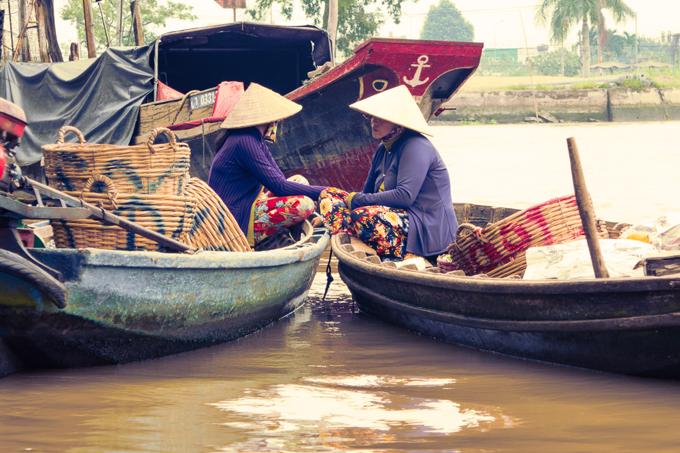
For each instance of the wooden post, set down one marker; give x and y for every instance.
(40, 18)
(2, 30)
(333, 22)
(74, 52)
(136, 11)
(89, 31)
(22, 44)
(586, 210)
(51, 31)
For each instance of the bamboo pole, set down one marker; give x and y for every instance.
(89, 31)
(120, 23)
(136, 11)
(585, 208)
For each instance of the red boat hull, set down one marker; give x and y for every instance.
(331, 144)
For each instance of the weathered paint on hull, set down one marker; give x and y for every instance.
(125, 306)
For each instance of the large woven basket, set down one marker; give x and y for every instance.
(498, 250)
(213, 226)
(149, 168)
(170, 215)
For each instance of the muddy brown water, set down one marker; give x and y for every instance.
(330, 378)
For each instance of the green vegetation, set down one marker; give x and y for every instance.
(153, 15)
(563, 15)
(357, 19)
(558, 62)
(445, 22)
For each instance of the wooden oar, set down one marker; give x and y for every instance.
(585, 208)
(111, 218)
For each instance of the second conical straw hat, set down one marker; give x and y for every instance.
(397, 106)
(259, 105)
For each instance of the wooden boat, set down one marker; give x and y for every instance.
(126, 306)
(620, 325)
(327, 142)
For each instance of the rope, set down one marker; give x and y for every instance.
(329, 276)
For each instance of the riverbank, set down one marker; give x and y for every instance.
(560, 105)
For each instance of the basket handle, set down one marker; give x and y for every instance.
(172, 138)
(465, 229)
(65, 129)
(109, 185)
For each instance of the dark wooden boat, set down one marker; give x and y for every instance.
(119, 306)
(327, 142)
(629, 326)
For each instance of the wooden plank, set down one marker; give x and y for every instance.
(175, 111)
(184, 134)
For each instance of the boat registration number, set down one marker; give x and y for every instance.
(200, 100)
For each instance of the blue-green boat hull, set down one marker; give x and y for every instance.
(127, 306)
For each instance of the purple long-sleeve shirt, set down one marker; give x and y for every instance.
(242, 166)
(416, 179)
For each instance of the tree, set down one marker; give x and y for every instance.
(153, 15)
(446, 23)
(619, 10)
(564, 14)
(357, 19)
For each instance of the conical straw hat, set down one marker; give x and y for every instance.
(397, 106)
(259, 105)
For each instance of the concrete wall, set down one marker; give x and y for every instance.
(615, 104)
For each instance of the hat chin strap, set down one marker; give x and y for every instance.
(396, 130)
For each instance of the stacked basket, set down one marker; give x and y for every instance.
(147, 184)
(499, 249)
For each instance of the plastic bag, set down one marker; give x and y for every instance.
(571, 260)
(664, 233)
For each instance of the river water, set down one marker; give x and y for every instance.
(330, 378)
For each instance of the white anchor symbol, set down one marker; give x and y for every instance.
(416, 81)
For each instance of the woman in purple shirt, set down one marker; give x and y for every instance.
(405, 207)
(244, 167)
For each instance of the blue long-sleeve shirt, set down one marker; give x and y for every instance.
(416, 179)
(240, 169)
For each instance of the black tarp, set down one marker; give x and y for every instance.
(277, 57)
(100, 97)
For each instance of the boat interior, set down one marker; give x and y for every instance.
(241, 52)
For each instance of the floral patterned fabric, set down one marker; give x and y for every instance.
(273, 214)
(384, 229)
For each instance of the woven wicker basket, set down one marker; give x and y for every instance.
(170, 215)
(150, 168)
(213, 226)
(498, 250)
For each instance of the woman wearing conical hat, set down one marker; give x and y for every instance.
(405, 207)
(244, 166)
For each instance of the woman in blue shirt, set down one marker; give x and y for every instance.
(405, 206)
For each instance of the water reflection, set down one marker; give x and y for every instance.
(376, 411)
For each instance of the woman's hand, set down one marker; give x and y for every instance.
(348, 199)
